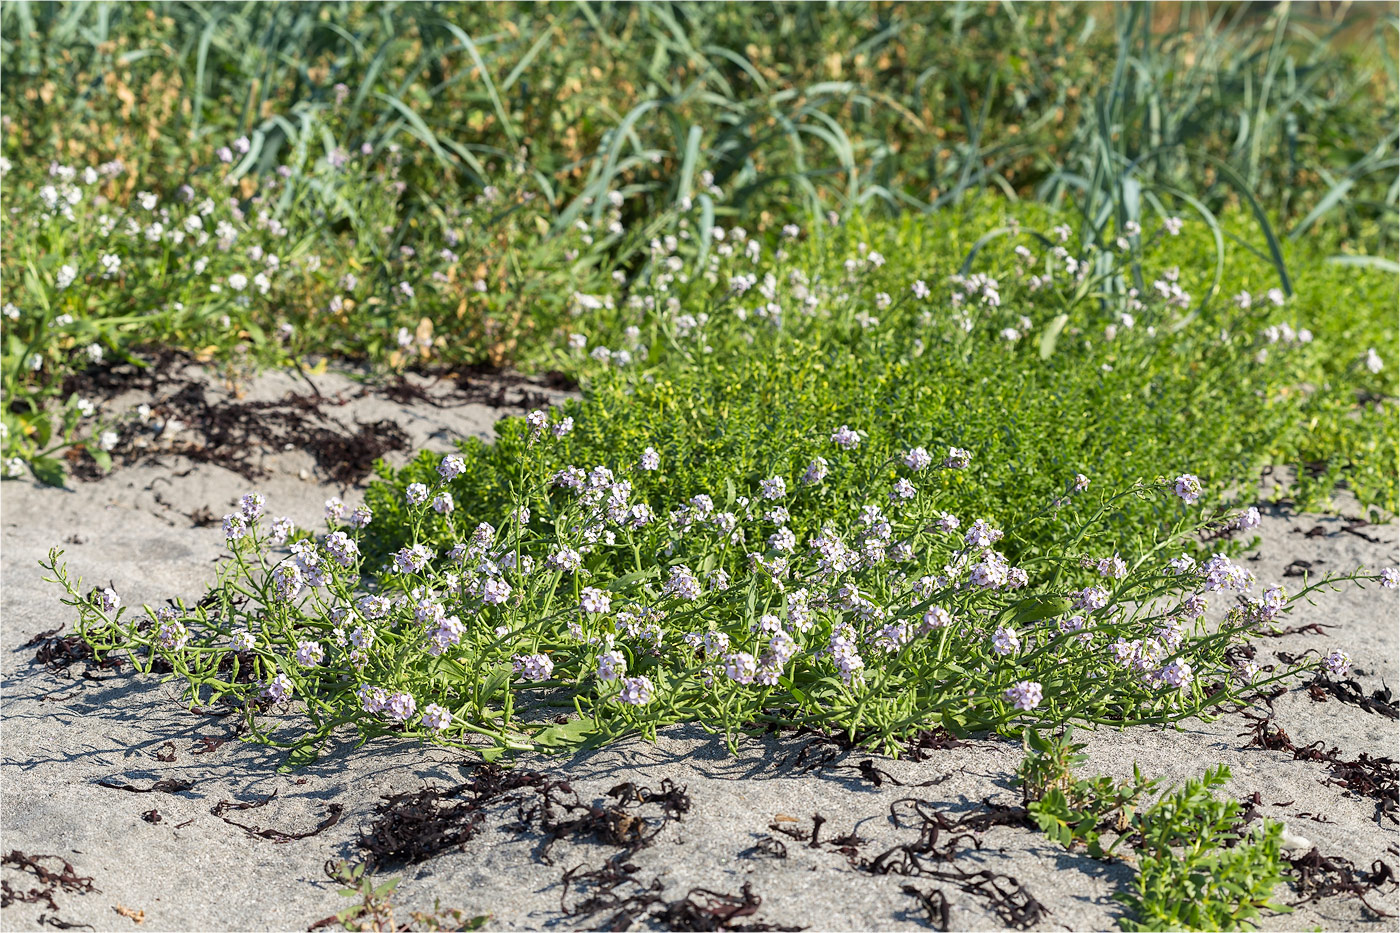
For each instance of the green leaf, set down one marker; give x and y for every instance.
(573, 732)
(1051, 335)
(301, 756)
(49, 471)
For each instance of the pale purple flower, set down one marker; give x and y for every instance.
(565, 558)
(650, 460)
(917, 459)
(981, 535)
(400, 706)
(372, 606)
(611, 665)
(436, 717)
(683, 584)
(538, 421)
(1390, 578)
(1177, 673)
(235, 526)
(252, 505)
(361, 517)
(416, 494)
(1113, 567)
(958, 458)
(936, 617)
(109, 600)
(1091, 598)
(636, 691)
(781, 647)
(1337, 663)
(991, 572)
(1182, 565)
(310, 653)
(494, 591)
(1188, 487)
(1006, 641)
(443, 504)
(773, 488)
(740, 667)
(845, 438)
(372, 699)
(342, 548)
(817, 471)
(594, 601)
(451, 467)
(1081, 482)
(412, 559)
(334, 509)
(282, 529)
(242, 640)
(279, 689)
(1250, 518)
(287, 581)
(1025, 695)
(172, 635)
(535, 667)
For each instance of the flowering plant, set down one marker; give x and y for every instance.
(580, 615)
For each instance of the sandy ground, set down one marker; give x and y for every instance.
(193, 870)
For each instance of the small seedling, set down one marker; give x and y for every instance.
(376, 912)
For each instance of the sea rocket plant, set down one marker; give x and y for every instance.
(882, 623)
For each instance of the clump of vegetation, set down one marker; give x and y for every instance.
(894, 616)
(375, 911)
(1200, 865)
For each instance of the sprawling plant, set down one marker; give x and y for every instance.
(581, 615)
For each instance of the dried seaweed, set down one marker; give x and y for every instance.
(231, 433)
(1365, 776)
(66, 878)
(58, 653)
(700, 909)
(1317, 876)
(333, 813)
(52, 880)
(931, 857)
(163, 786)
(703, 909)
(1381, 702)
(766, 846)
(935, 905)
(412, 827)
(927, 741)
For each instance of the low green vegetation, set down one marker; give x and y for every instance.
(1199, 865)
(966, 485)
(744, 373)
